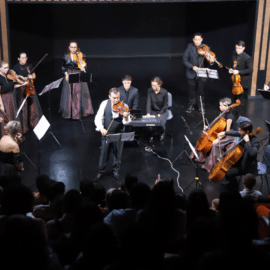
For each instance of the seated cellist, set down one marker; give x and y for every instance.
(220, 146)
(248, 162)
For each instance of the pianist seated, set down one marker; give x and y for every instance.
(157, 104)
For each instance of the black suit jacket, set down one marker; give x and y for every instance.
(245, 67)
(190, 59)
(133, 97)
(248, 162)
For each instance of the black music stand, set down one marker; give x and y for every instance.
(79, 77)
(120, 137)
(264, 93)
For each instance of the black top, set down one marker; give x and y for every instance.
(157, 102)
(10, 157)
(245, 67)
(6, 85)
(69, 64)
(130, 97)
(22, 69)
(228, 116)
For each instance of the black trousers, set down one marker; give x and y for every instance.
(117, 148)
(241, 109)
(230, 183)
(196, 89)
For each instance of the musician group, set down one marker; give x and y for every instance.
(113, 115)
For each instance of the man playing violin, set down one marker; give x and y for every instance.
(192, 61)
(248, 162)
(108, 121)
(31, 111)
(244, 68)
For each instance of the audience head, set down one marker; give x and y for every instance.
(97, 194)
(22, 245)
(17, 199)
(249, 181)
(129, 181)
(86, 187)
(118, 200)
(72, 201)
(139, 195)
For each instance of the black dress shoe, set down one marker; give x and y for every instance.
(97, 177)
(162, 136)
(116, 175)
(189, 109)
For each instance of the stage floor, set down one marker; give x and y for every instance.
(78, 156)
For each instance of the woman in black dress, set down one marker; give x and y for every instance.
(75, 100)
(8, 107)
(31, 111)
(10, 156)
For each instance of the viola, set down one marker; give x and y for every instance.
(237, 88)
(78, 57)
(204, 144)
(228, 160)
(210, 56)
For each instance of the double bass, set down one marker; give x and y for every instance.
(228, 160)
(204, 144)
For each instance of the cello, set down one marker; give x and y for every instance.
(205, 142)
(228, 160)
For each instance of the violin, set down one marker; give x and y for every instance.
(14, 77)
(30, 89)
(204, 144)
(237, 88)
(120, 108)
(210, 56)
(78, 57)
(228, 160)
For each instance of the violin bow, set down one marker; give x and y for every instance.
(38, 63)
(202, 111)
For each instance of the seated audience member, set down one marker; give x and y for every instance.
(100, 248)
(120, 219)
(118, 200)
(69, 247)
(161, 217)
(51, 189)
(97, 195)
(249, 183)
(86, 187)
(198, 207)
(129, 181)
(10, 157)
(181, 201)
(39, 196)
(106, 210)
(23, 246)
(71, 203)
(18, 199)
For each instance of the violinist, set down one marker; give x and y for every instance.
(192, 61)
(31, 111)
(157, 104)
(244, 68)
(219, 146)
(248, 161)
(108, 121)
(75, 100)
(8, 106)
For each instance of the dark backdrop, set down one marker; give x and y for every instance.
(143, 40)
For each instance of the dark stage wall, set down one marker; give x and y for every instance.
(104, 32)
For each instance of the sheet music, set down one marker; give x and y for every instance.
(207, 73)
(41, 127)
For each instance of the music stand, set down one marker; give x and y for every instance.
(266, 139)
(41, 131)
(207, 73)
(197, 179)
(120, 137)
(264, 93)
(79, 77)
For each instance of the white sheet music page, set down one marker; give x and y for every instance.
(41, 127)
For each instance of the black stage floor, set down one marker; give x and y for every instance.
(78, 157)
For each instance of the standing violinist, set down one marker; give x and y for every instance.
(31, 111)
(8, 107)
(75, 100)
(192, 61)
(248, 162)
(244, 68)
(108, 121)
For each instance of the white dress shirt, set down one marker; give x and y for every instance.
(99, 118)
